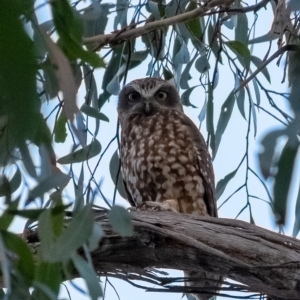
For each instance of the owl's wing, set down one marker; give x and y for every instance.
(128, 195)
(204, 164)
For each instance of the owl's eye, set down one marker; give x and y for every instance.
(133, 97)
(161, 96)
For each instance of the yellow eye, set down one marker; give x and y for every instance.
(133, 97)
(161, 96)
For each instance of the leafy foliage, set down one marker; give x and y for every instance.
(58, 79)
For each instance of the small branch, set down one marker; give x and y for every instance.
(123, 34)
(276, 54)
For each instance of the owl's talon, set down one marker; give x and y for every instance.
(167, 205)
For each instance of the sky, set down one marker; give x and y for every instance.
(229, 154)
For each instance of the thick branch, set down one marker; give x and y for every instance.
(264, 261)
(129, 33)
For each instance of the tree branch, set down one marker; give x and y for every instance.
(129, 33)
(263, 261)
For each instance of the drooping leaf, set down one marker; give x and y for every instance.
(74, 236)
(60, 132)
(202, 64)
(120, 221)
(65, 77)
(94, 113)
(185, 76)
(253, 113)
(210, 117)
(70, 31)
(121, 17)
(16, 244)
(83, 154)
(226, 111)
(283, 179)
(242, 51)
(258, 62)
(202, 113)
(241, 29)
(181, 53)
(88, 273)
(221, 185)
(95, 237)
(296, 227)
(115, 173)
(185, 97)
(7, 187)
(50, 275)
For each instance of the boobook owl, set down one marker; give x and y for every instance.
(164, 159)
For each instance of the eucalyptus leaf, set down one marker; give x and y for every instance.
(258, 62)
(83, 154)
(242, 51)
(226, 111)
(7, 187)
(116, 174)
(185, 97)
(283, 179)
(221, 185)
(88, 273)
(94, 113)
(74, 236)
(120, 221)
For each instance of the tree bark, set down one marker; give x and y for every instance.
(264, 261)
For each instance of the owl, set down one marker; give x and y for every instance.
(164, 159)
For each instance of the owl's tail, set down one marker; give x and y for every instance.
(209, 282)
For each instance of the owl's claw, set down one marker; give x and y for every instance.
(167, 205)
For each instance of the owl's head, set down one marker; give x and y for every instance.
(147, 96)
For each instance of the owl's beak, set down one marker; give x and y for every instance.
(148, 107)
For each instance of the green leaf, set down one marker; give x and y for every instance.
(242, 51)
(88, 273)
(70, 30)
(60, 132)
(226, 111)
(221, 185)
(25, 262)
(283, 179)
(241, 28)
(194, 25)
(94, 113)
(258, 62)
(240, 101)
(115, 173)
(18, 69)
(8, 187)
(83, 154)
(74, 236)
(50, 275)
(120, 220)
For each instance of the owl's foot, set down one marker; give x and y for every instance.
(167, 205)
